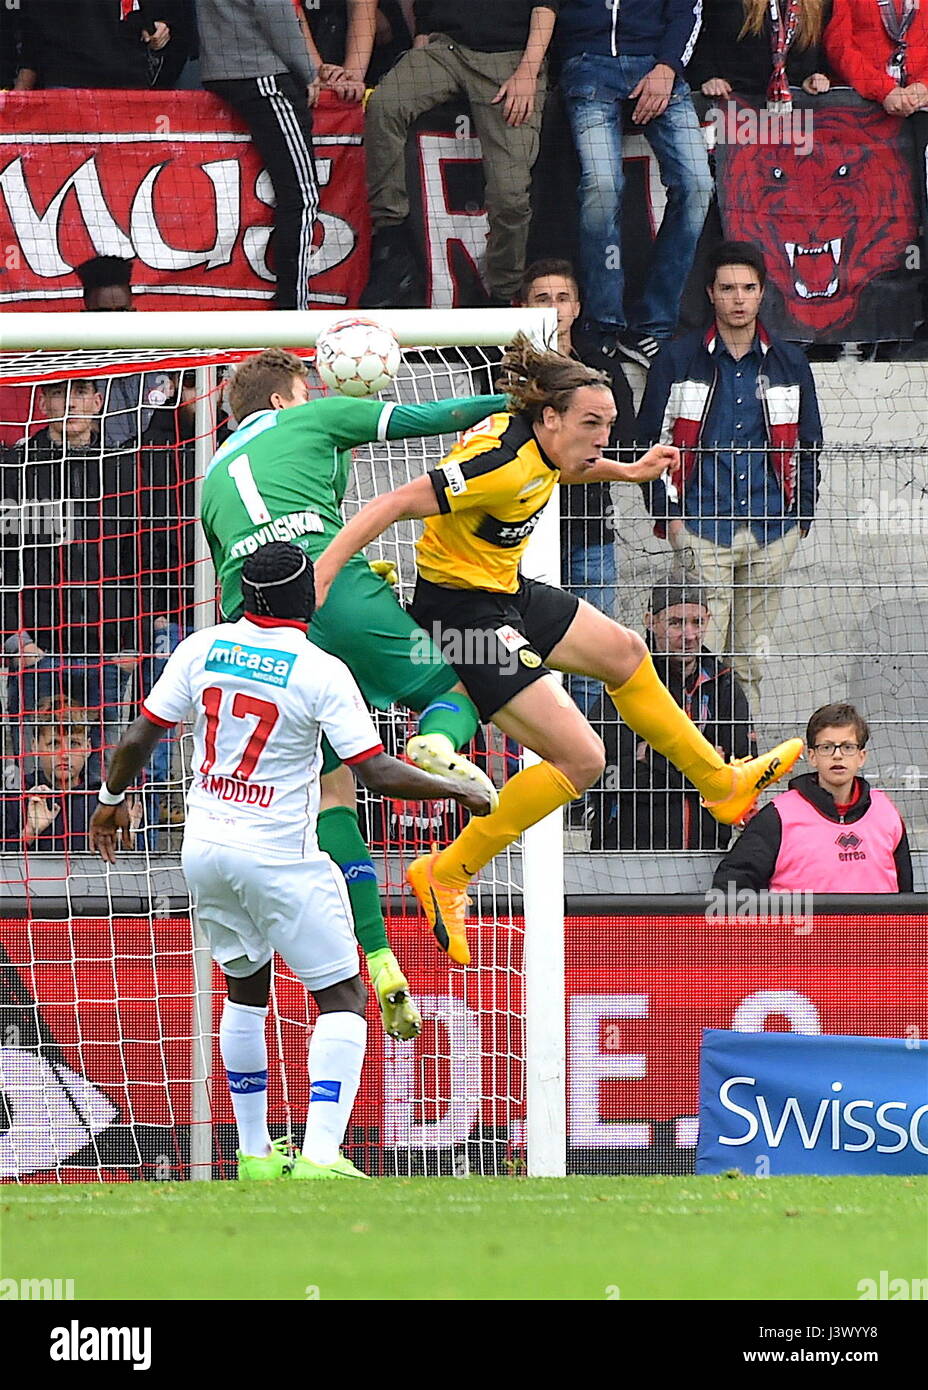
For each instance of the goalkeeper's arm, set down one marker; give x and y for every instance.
(442, 417)
(349, 423)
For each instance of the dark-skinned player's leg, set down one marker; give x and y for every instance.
(336, 1050)
(243, 1044)
(243, 1048)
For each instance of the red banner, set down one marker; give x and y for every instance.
(115, 1008)
(828, 193)
(172, 179)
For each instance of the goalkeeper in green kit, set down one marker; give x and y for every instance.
(281, 476)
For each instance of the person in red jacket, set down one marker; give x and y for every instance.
(830, 832)
(881, 50)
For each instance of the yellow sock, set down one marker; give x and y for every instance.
(525, 799)
(647, 706)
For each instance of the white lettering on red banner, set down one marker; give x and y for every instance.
(182, 191)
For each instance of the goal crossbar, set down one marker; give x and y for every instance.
(256, 329)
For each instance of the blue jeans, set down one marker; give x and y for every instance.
(594, 88)
(588, 571)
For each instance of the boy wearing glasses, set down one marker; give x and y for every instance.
(830, 832)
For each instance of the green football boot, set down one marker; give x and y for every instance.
(277, 1164)
(341, 1168)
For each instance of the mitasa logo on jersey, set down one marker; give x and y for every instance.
(254, 663)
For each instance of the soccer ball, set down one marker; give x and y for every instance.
(357, 357)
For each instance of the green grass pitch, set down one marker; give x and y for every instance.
(475, 1238)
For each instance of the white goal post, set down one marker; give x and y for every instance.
(207, 329)
(41, 346)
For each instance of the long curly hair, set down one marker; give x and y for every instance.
(532, 378)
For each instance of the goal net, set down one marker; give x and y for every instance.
(109, 1067)
(109, 1005)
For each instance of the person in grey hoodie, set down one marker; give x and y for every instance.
(254, 55)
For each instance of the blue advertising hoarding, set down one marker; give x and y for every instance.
(775, 1103)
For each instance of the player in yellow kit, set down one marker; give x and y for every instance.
(480, 507)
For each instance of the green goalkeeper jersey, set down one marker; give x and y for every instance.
(282, 475)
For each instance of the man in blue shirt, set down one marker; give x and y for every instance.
(742, 409)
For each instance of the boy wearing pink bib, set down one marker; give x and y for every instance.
(830, 832)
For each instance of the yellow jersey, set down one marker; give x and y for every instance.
(491, 489)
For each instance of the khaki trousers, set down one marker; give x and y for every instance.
(741, 585)
(426, 77)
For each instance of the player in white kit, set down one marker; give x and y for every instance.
(262, 696)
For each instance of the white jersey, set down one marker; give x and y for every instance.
(262, 696)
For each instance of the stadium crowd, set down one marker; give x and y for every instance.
(107, 479)
(562, 76)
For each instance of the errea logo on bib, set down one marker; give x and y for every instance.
(254, 663)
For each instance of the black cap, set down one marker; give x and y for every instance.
(278, 582)
(668, 595)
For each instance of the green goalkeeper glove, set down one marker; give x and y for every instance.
(387, 571)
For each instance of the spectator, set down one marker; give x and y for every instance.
(181, 50)
(741, 407)
(166, 634)
(139, 408)
(342, 35)
(881, 50)
(613, 53)
(760, 47)
(155, 410)
(254, 56)
(53, 811)
(69, 560)
(96, 43)
(646, 803)
(588, 567)
(396, 26)
(494, 54)
(94, 572)
(10, 40)
(791, 845)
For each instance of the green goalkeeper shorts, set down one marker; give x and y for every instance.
(393, 660)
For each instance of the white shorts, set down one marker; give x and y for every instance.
(249, 907)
